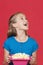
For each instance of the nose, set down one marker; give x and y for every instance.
(26, 21)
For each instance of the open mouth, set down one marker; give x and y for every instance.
(25, 24)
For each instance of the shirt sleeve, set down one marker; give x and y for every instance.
(6, 45)
(35, 46)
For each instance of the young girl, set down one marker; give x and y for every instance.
(18, 41)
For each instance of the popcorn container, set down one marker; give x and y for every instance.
(20, 61)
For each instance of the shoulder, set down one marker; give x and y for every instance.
(33, 41)
(8, 40)
(7, 43)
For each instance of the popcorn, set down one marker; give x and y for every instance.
(20, 56)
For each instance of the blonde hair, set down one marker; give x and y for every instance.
(12, 30)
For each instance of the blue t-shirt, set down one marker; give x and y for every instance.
(14, 46)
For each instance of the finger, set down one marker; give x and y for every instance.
(7, 60)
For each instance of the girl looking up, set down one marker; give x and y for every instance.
(17, 39)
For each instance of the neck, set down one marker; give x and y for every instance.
(21, 34)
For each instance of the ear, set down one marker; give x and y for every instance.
(15, 25)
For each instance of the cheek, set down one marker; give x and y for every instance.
(19, 23)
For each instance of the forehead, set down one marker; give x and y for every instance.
(21, 15)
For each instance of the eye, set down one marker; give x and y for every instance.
(22, 18)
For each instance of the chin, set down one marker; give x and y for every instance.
(25, 28)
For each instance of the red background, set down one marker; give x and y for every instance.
(34, 12)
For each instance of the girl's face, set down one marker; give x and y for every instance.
(21, 22)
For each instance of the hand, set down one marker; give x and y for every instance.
(33, 61)
(8, 59)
